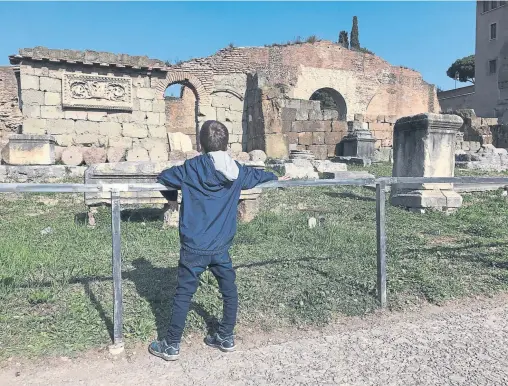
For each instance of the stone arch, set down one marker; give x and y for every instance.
(178, 110)
(187, 80)
(331, 99)
(232, 92)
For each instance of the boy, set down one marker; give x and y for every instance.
(211, 186)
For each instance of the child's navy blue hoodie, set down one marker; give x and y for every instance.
(208, 213)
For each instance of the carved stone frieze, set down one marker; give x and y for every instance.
(96, 91)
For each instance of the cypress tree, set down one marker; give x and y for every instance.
(355, 38)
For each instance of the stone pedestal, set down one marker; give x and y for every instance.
(359, 141)
(26, 149)
(424, 146)
(358, 146)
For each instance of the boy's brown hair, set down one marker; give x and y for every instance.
(214, 136)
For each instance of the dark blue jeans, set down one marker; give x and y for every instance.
(190, 267)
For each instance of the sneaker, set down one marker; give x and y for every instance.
(226, 344)
(161, 349)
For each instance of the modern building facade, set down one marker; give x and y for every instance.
(491, 34)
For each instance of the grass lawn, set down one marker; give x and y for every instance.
(55, 273)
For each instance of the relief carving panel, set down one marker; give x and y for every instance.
(96, 92)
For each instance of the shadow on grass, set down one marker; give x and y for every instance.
(454, 252)
(350, 195)
(157, 286)
(136, 215)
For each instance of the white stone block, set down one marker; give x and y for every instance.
(50, 84)
(29, 82)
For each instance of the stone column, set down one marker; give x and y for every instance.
(424, 146)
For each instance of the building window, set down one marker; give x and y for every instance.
(493, 31)
(501, 3)
(486, 6)
(492, 66)
(493, 4)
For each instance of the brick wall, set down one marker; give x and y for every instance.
(10, 114)
(381, 127)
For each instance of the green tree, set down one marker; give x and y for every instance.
(327, 102)
(355, 37)
(344, 39)
(462, 69)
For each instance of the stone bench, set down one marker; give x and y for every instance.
(146, 172)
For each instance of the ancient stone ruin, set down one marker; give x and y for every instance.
(307, 109)
(268, 97)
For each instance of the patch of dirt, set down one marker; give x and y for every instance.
(461, 343)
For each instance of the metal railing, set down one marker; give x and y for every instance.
(115, 190)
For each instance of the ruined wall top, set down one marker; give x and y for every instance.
(86, 57)
(280, 63)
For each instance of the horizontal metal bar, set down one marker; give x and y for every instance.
(49, 188)
(95, 188)
(443, 180)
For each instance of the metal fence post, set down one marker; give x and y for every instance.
(117, 346)
(381, 242)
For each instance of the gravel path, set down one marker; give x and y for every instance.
(464, 343)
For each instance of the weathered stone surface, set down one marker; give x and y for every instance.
(76, 114)
(52, 112)
(110, 129)
(137, 154)
(236, 147)
(159, 152)
(29, 82)
(135, 130)
(424, 146)
(179, 142)
(330, 114)
(123, 142)
(319, 151)
(305, 139)
(257, 155)
(177, 155)
(276, 146)
(157, 131)
(191, 154)
(72, 156)
(248, 210)
(39, 174)
(52, 98)
(318, 138)
(24, 149)
(296, 169)
(60, 126)
(94, 155)
(50, 84)
(33, 97)
(329, 166)
(242, 156)
(86, 140)
(486, 158)
(116, 154)
(34, 126)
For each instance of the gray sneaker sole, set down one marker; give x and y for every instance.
(223, 349)
(164, 356)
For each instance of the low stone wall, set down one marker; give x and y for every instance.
(40, 174)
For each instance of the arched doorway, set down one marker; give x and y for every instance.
(331, 99)
(183, 103)
(181, 108)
